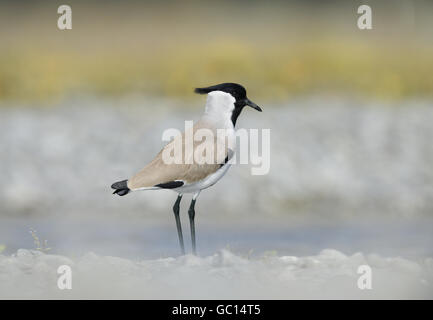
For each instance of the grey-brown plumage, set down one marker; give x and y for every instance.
(198, 163)
(159, 172)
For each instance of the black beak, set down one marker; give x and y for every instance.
(248, 102)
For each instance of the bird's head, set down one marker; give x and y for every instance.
(237, 91)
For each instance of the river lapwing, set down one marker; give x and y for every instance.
(224, 104)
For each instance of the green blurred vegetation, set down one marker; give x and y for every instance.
(277, 51)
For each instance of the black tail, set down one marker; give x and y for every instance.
(121, 187)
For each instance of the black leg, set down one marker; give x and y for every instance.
(178, 225)
(191, 213)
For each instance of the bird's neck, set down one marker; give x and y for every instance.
(219, 109)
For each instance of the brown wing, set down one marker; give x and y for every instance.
(189, 169)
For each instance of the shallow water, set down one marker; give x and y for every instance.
(144, 238)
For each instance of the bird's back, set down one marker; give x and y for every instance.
(191, 167)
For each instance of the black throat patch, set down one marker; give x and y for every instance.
(236, 112)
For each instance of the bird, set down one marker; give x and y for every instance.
(224, 104)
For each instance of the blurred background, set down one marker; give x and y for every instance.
(350, 113)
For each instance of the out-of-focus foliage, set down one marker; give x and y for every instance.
(277, 50)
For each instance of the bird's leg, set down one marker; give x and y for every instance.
(178, 225)
(191, 214)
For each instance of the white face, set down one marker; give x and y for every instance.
(220, 102)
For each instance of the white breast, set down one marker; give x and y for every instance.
(207, 182)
